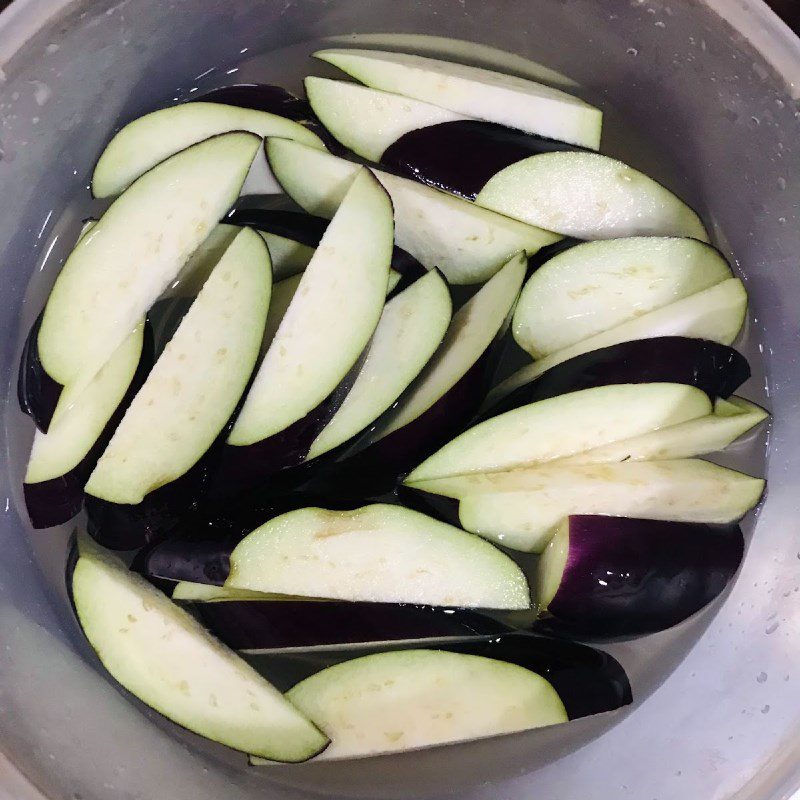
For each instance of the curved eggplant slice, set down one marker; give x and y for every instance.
(715, 368)
(588, 681)
(480, 93)
(37, 392)
(308, 230)
(62, 459)
(461, 157)
(257, 624)
(615, 577)
(261, 97)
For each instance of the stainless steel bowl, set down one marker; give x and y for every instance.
(704, 96)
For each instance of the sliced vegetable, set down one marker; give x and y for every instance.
(378, 553)
(521, 509)
(410, 330)
(194, 387)
(716, 314)
(164, 657)
(597, 286)
(564, 425)
(715, 368)
(325, 330)
(475, 92)
(588, 196)
(466, 243)
(62, 459)
(261, 97)
(731, 419)
(150, 139)
(136, 250)
(443, 398)
(609, 577)
(385, 702)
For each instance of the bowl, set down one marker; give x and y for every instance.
(702, 95)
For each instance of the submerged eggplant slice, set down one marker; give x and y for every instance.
(115, 273)
(467, 243)
(189, 396)
(475, 92)
(563, 426)
(443, 398)
(261, 97)
(588, 196)
(160, 654)
(379, 553)
(596, 286)
(324, 332)
(62, 459)
(150, 139)
(609, 577)
(716, 314)
(522, 509)
(407, 699)
(715, 368)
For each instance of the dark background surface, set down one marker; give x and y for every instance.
(788, 9)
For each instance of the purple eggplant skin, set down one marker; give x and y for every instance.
(37, 392)
(628, 577)
(379, 467)
(435, 154)
(58, 500)
(269, 624)
(273, 100)
(715, 368)
(587, 680)
(309, 229)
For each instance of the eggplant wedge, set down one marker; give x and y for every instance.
(615, 577)
(135, 252)
(147, 141)
(442, 400)
(62, 459)
(161, 655)
(326, 328)
(716, 314)
(425, 697)
(480, 93)
(378, 553)
(715, 368)
(522, 509)
(596, 286)
(154, 465)
(564, 426)
(467, 243)
(410, 330)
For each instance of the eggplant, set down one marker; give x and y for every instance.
(467, 243)
(159, 456)
(304, 375)
(588, 680)
(479, 93)
(164, 657)
(616, 577)
(442, 399)
(552, 185)
(378, 553)
(564, 426)
(715, 368)
(260, 97)
(278, 624)
(522, 509)
(308, 230)
(92, 307)
(148, 140)
(37, 392)
(716, 314)
(393, 701)
(596, 286)
(62, 460)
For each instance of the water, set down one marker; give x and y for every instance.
(648, 661)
